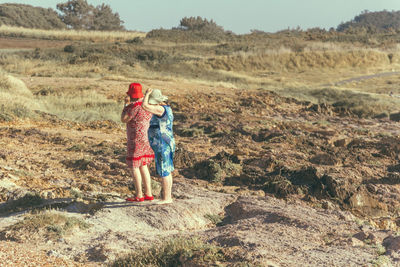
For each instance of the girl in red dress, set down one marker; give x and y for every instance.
(139, 152)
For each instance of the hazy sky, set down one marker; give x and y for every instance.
(239, 16)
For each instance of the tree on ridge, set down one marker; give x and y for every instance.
(80, 15)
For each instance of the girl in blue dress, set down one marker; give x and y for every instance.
(161, 139)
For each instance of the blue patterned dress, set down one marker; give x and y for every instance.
(162, 141)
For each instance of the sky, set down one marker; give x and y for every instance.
(239, 16)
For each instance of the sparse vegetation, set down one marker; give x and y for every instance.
(81, 106)
(50, 225)
(214, 218)
(72, 35)
(181, 251)
(79, 164)
(381, 261)
(17, 101)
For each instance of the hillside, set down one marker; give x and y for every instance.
(381, 21)
(28, 16)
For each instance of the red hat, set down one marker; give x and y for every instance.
(135, 90)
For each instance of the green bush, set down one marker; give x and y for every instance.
(192, 29)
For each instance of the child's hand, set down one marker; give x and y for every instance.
(149, 91)
(127, 100)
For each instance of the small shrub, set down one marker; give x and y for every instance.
(75, 193)
(79, 164)
(214, 218)
(190, 132)
(51, 225)
(152, 55)
(5, 115)
(381, 261)
(136, 40)
(69, 48)
(380, 249)
(209, 170)
(78, 147)
(179, 252)
(9, 113)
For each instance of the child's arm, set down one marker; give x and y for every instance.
(125, 114)
(155, 109)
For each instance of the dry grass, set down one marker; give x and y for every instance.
(17, 101)
(51, 68)
(291, 61)
(378, 85)
(73, 35)
(182, 251)
(82, 106)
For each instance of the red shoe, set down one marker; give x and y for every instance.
(135, 199)
(146, 197)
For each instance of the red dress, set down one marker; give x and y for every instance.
(139, 152)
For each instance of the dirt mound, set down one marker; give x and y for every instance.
(269, 228)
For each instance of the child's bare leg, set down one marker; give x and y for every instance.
(146, 180)
(137, 178)
(167, 188)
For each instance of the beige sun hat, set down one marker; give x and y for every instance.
(156, 97)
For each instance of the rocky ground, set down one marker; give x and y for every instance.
(281, 182)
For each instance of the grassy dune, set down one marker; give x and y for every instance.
(17, 101)
(291, 61)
